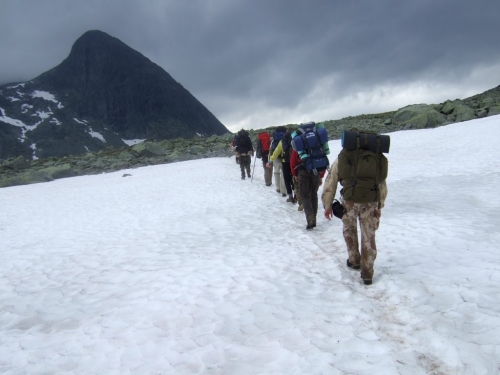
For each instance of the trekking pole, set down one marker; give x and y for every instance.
(253, 170)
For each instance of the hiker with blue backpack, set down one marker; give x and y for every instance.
(361, 169)
(275, 160)
(310, 143)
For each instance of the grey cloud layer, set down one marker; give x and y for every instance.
(271, 52)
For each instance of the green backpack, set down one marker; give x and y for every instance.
(360, 172)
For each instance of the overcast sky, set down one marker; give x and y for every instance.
(260, 63)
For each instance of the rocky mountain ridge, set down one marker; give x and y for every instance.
(20, 171)
(103, 94)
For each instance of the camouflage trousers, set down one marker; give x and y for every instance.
(368, 222)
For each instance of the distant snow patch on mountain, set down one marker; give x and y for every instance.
(132, 142)
(33, 147)
(18, 85)
(96, 135)
(44, 95)
(26, 107)
(43, 115)
(83, 122)
(10, 120)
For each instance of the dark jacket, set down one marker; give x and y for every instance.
(243, 142)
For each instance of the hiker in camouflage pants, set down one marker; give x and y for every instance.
(368, 215)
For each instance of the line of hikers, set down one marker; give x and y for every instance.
(299, 160)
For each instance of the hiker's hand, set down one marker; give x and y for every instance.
(328, 213)
(295, 180)
(378, 213)
(269, 165)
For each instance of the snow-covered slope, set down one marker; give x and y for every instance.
(186, 269)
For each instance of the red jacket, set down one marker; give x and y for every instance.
(295, 162)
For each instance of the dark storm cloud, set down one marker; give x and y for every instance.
(249, 58)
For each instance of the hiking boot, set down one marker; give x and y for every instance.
(242, 177)
(283, 195)
(309, 227)
(278, 191)
(367, 281)
(353, 266)
(248, 175)
(291, 200)
(301, 208)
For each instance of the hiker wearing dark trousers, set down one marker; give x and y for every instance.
(287, 177)
(294, 161)
(244, 151)
(367, 214)
(245, 162)
(286, 146)
(308, 184)
(263, 144)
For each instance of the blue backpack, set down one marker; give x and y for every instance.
(277, 137)
(311, 143)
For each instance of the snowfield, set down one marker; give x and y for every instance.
(186, 269)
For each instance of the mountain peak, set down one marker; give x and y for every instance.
(111, 88)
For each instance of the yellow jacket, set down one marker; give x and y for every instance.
(278, 152)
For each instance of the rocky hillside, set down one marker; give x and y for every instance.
(421, 116)
(20, 171)
(103, 94)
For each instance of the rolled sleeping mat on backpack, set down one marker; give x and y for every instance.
(367, 141)
(310, 139)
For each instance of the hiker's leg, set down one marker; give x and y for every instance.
(350, 231)
(287, 176)
(247, 164)
(306, 191)
(242, 159)
(314, 195)
(277, 174)
(368, 225)
(282, 181)
(268, 172)
(297, 192)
